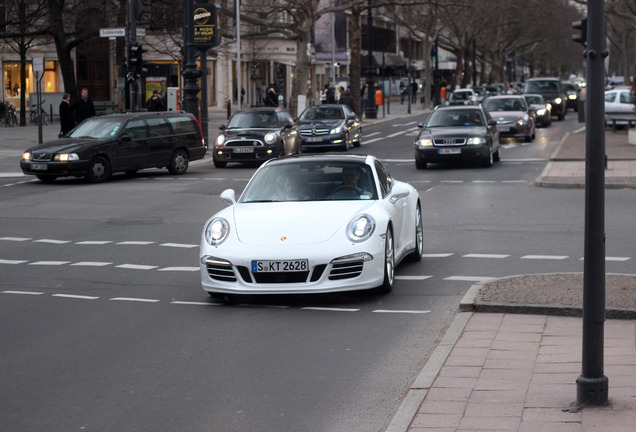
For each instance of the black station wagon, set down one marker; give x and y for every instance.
(101, 146)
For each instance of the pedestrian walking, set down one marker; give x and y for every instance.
(84, 107)
(272, 98)
(347, 99)
(66, 115)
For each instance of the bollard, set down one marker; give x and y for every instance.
(229, 109)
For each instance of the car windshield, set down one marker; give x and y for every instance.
(535, 99)
(542, 86)
(454, 118)
(322, 113)
(253, 119)
(97, 128)
(505, 104)
(311, 181)
(460, 95)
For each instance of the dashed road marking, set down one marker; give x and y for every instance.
(469, 278)
(75, 296)
(136, 266)
(135, 299)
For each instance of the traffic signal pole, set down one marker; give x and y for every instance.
(592, 384)
(132, 40)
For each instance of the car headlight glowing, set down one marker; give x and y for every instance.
(542, 112)
(270, 138)
(336, 130)
(558, 101)
(424, 143)
(360, 228)
(65, 157)
(572, 96)
(220, 140)
(476, 141)
(217, 231)
(26, 156)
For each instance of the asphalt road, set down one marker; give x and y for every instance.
(105, 327)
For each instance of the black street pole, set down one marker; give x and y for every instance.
(132, 40)
(191, 74)
(410, 86)
(474, 63)
(371, 111)
(592, 385)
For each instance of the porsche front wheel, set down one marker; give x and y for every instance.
(389, 264)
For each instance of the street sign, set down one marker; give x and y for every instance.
(38, 64)
(112, 32)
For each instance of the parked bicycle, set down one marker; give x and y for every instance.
(37, 112)
(8, 114)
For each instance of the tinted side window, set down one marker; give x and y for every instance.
(386, 182)
(135, 129)
(158, 127)
(182, 124)
(284, 118)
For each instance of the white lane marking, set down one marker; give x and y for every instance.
(545, 257)
(6, 261)
(475, 255)
(92, 264)
(621, 259)
(469, 278)
(182, 269)
(412, 277)
(369, 141)
(136, 243)
(22, 292)
(371, 134)
(514, 181)
(137, 266)
(330, 309)
(195, 303)
(52, 241)
(179, 245)
(404, 124)
(134, 299)
(15, 239)
(451, 181)
(49, 263)
(437, 255)
(484, 181)
(74, 296)
(401, 311)
(94, 242)
(401, 132)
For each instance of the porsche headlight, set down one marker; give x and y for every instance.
(336, 130)
(26, 156)
(270, 138)
(216, 232)
(424, 143)
(220, 140)
(65, 157)
(360, 228)
(476, 141)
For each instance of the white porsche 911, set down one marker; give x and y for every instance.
(312, 224)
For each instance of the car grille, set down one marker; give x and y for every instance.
(244, 143)
(346, 270)
(41, 157)
(221, 272)
(314, 132)
(449, 141)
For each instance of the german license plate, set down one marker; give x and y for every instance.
(314, 139)
(503, 128)
(243, 150)
(39, 167)
(280, 266)
(449, 151)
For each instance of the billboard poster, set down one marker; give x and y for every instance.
(323, 34)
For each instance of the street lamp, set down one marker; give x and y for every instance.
(371, 110)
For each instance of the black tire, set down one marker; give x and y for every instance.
(488, 159)
(345, 145)
(389, 264)
(219, 164)
(98, 170)
(419, 163)
(179, 162)
(416, 255)
(46, 179)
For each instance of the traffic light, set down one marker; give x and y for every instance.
(135, 60)
(582, 37)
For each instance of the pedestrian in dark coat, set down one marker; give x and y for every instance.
(272, 98)
(347, 99)
(84, 107)
(155, 103)
(66, 115)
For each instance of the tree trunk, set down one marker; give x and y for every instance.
(355, 70)
(61, 46)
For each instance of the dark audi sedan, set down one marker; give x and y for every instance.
(101, 146)
(256, 135)
(457, 133)
(325, 127)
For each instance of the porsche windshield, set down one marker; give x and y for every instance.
(254, 119)
(311, 181)
(97, 128)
